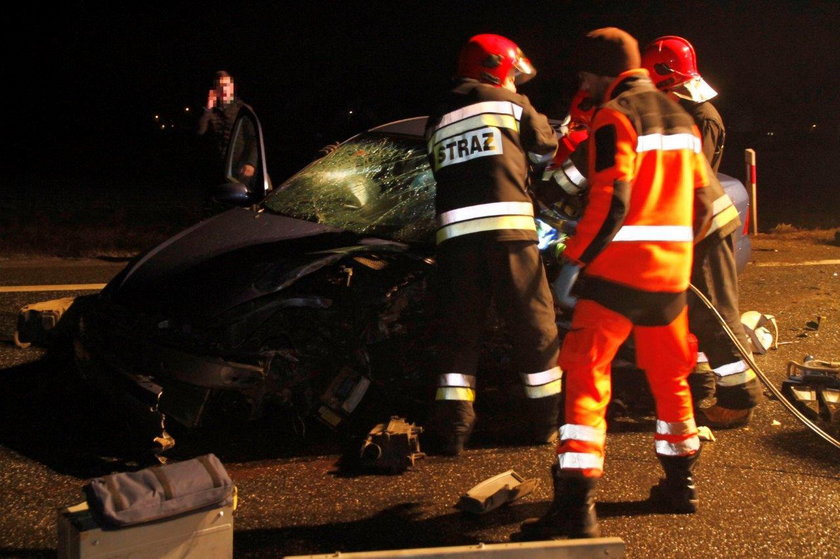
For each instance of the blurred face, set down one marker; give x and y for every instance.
(224, 89)
(594, 84)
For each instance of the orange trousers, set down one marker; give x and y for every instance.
(663, 352)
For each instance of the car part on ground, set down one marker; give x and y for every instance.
(813, 387)
(496, 491)
(391, 447)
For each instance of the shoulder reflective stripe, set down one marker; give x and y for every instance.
(550, 389)
(701, 357)
(676, 428)
(681, 448)
(539, 158)
(520, 222)
(543, 377)
(668, 142)
(458, 129)
(579, 461)
(458, 394)
(485, 210)
(499, 107)
(454, 379)
(736, 379)
(582, 433)
(572, 172)
(676, 233)
(731, 368)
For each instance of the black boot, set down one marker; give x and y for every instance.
(572, 513)
(449, 427)
(676, 492)
(544, 414)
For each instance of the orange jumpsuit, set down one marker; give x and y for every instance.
(635, 242)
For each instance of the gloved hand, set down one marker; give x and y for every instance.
(562, 286)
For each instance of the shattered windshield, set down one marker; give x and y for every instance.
(374, 184)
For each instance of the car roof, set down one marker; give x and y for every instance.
(409, 126)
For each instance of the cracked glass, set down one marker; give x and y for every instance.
(373, 184)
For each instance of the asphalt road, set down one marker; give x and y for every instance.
(769, 490)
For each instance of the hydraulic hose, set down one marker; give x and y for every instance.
(747, 355)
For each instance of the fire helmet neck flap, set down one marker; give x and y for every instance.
(672, 65)
(492, 58)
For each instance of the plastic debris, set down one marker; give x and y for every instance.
(496, 491)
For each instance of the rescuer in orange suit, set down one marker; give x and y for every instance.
(647, 203)
(721, 370)
(482, 140)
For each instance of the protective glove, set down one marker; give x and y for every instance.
(562, 286)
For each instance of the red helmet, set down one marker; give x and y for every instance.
(671, 63)
(492, 58)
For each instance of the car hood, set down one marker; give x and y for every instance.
(230, 259)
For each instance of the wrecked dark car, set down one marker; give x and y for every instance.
(301, 299)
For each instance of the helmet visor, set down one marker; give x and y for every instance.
(523, 69)
(696, 90)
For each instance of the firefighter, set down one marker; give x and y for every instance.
(721, 370)
(482, 140)
(634, 243)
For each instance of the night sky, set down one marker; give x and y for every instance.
(86, 80)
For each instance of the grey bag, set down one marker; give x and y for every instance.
(159, 492)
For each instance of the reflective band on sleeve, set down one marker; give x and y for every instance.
(721, 219)
(668, 142)
(539, 158)
(722, 203)
(452, 393)
(731, 368)
(582, 433)
(454, 379)
(519, 222)
(499, 107)
(676, 428)
(572, 172)
(543, 377)
(681, 448)
(485, 210)
(675, 233)
(701, 357)
(736, 379)
(549, 389)
(580, 461)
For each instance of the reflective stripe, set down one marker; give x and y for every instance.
(676, 233)
(549, 389)
(582, 433)
(668, 142)
(572, 172)
(500, 107)
(520, 222)
(722, 203)
(454, 379)
(677, 428)
(681, 448)
(701, 357)
(539, 158)
(444, 132)
(453, 393)
(736, 379)
(722, 219)
(731, 368)
(580, 461)
(485, 210)
(543, 377)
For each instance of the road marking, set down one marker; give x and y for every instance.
(68, 287)
(807, 263)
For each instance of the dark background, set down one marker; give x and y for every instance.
(84, 81)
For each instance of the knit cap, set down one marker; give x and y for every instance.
(608, 51)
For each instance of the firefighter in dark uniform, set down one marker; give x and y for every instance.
(721, 370)
(482, 141)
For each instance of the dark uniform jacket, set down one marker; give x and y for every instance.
(477, 142)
